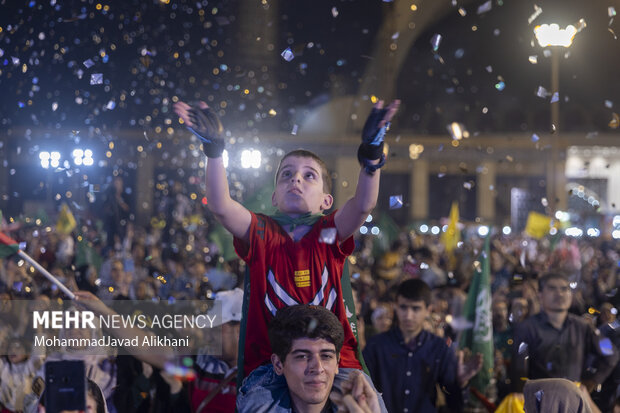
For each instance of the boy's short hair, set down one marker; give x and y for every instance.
(302, 153)
(545, 278)
(415, 290)
(303, 321)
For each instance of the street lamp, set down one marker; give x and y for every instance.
(551, 36)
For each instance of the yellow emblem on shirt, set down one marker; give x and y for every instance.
(302, 278)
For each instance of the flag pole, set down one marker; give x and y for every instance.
(47, 274)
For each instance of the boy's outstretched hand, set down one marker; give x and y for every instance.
(373, 134)
(204, 123)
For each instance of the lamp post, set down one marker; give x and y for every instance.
(551, 36)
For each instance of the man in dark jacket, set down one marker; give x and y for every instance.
(406, 363)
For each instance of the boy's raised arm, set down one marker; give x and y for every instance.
(204, 123)
(354, 212)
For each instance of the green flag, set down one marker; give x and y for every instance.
(479, 338)
(8, 246)
(87, 255)
(389, 231)
(224, 241)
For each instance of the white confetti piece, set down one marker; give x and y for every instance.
(328, 235)
(288, 54)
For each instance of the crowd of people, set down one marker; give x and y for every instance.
(553, 301)
(143, 267)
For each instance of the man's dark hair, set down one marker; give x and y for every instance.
(415, 290)
(303, 321)
(302, 153)
(542, 281)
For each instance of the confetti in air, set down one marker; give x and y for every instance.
(287, 54)
(96, 79)
(396, 201)
(328, 235)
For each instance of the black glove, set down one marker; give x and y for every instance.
(371, 148)
(208, 128)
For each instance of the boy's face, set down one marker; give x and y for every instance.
(309, 369)
(411, 315)
(299, 187)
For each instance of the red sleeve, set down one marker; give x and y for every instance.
(342, 248)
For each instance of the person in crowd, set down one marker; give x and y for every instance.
(556, 344)
(17, 371)
(306, 342)
(382, 317)
(557, 396)
(276, 248)
(116, 212)
(214, 390)
(407, 362)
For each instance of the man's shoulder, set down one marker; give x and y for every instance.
(381, 339)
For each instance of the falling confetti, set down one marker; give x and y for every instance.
(533, 59)
(542, 92)
(535, 138)
(396, 201)
(88, 63)
(96, 79)
(611, 11)
(328, 235)
(533, 16)
(435, 42)
(287, 54)
(485, 7)
(615, 121)
(334, 12)
(555, 97)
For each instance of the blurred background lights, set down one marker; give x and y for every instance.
(82, 157)
(615, 234)
(250, 158)
(593, 232)
(435, 230)
(423, 228)
(573, 232)
(375, 231)
(552, 35)
(506, 230)
(483, 230)
(363, 230)
(49, 159)
(225, 158)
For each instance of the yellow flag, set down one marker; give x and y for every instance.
(537, 225)
(66, 221)
(452, 236)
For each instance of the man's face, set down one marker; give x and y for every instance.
(309, 369)
(299, 187)
(411, 315)
(556, 296)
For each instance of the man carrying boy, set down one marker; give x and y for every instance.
(407, 362)
(306, 342)
(297, 255)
